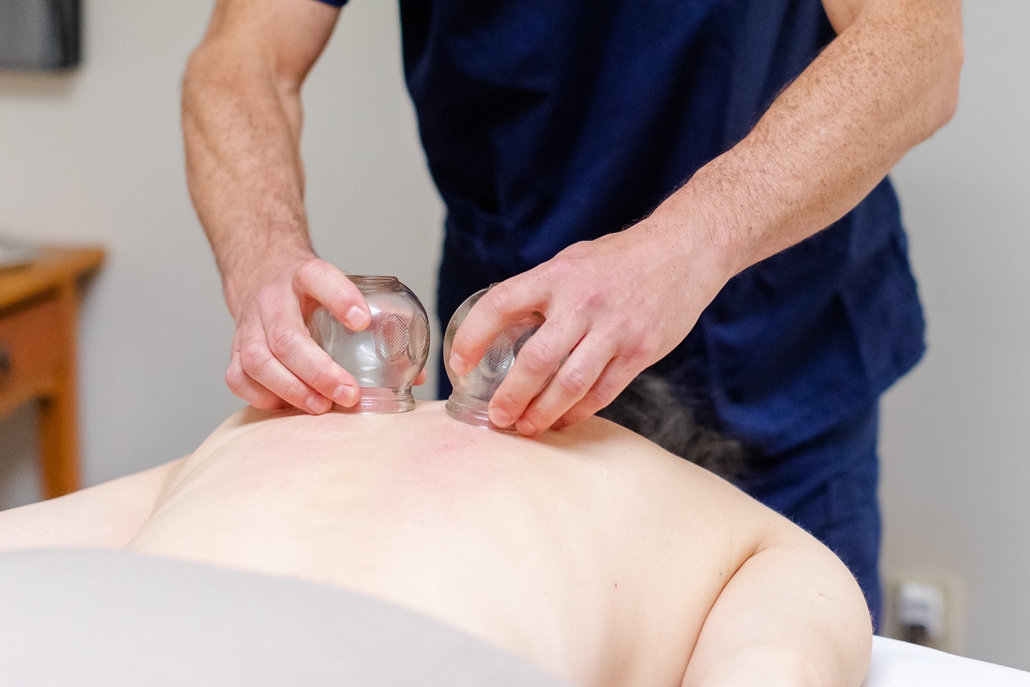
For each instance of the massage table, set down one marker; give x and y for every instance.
(88, 617)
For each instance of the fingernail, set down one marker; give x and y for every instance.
(501, 418)
(317, 404)
(525, 428)
(344, 395)
(458, 364)
(356, 317)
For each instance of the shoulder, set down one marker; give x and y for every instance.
(676, 489)
(104, 516)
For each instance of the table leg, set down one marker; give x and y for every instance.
(58, 411)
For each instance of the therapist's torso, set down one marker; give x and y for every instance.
(547, 122)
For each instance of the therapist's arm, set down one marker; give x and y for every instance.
(618, 304)
(241, 117)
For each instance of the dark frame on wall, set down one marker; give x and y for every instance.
(40, 34)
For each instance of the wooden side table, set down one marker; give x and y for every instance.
(38, 310)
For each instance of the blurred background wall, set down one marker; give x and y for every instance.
(96, 156)
(956, 432)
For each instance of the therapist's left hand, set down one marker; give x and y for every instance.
(614, 306)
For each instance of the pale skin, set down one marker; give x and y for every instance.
(591, 552)
(886, 83)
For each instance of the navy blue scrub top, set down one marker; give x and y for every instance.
(547, 122)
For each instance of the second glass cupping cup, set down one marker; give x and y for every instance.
(472, 391)
(385, 357)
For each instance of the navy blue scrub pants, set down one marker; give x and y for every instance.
(828, 486)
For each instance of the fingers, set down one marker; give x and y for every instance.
(243, 386)
(274, 356)
(290, 364)
(575, 379)
(633, 290)
(504, 303)
(260, 374)
(534, 365)
(329, 286)
(421, 379)
(613, 380)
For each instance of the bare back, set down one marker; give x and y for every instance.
(591, 551)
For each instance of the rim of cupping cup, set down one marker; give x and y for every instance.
(475, 415)
(377, 400)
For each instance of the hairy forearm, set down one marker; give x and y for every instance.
(887, 82)
(242, 131)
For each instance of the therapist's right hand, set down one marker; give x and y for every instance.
(275, 363)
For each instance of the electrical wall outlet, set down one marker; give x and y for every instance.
(920, 613)
(926, 609)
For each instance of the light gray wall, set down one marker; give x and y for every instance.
(956, 434)
(96, 157)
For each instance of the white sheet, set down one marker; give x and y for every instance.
(898, 664)
(112, 619)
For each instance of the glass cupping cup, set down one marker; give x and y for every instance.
(385, 357)
(472, 391)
